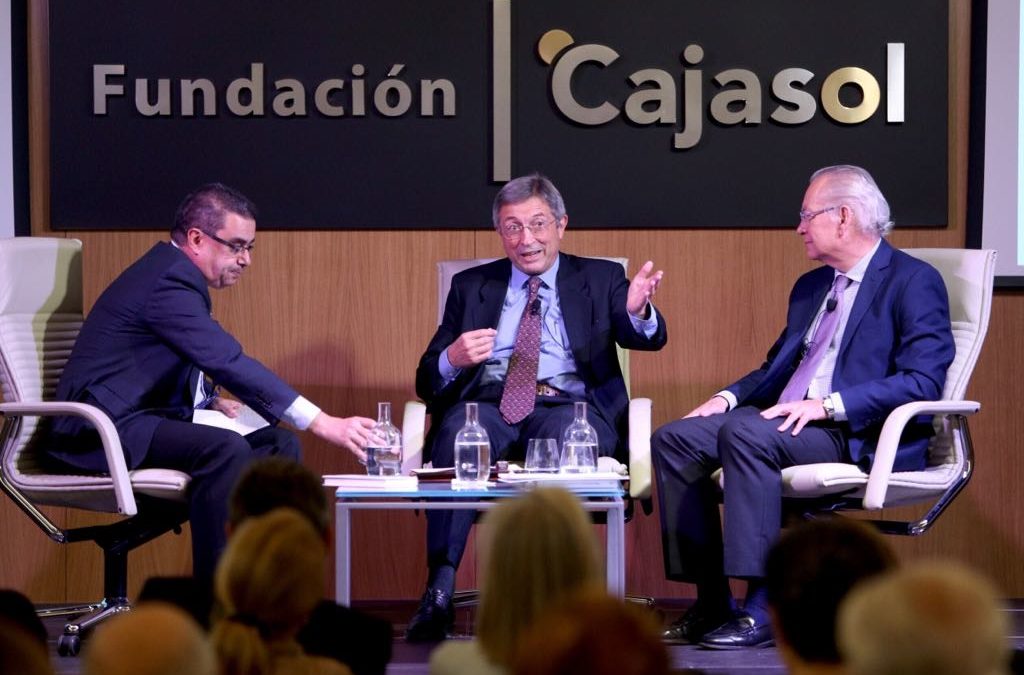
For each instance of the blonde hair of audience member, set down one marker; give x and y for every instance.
(541, 549)
(153, 639)
(592, 633)
(925, 619)
(269, 579)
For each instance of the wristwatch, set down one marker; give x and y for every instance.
(830, 408)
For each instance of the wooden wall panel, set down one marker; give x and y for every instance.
(344, 316)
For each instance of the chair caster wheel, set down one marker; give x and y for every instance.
(69, 645)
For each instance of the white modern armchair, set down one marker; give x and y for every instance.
(40, 317)
(814, 488)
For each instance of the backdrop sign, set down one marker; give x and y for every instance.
(412, 113)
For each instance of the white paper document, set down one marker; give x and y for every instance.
(248, 420)
(362, 481)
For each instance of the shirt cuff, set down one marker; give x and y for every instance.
(301, 413)
(838, 409)
(446, 369)
(729, 397)
(646, 327)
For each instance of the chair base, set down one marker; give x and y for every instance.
(69, 643)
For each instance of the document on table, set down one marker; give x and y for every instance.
(248, 420)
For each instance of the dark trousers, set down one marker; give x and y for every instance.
(214, 458)
(752, 453)
(448, 531)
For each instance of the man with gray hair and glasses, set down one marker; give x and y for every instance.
(865, 333)
(580, 309)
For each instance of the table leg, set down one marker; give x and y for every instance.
(343, 554)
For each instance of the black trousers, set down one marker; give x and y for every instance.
(448, 531)
(214, 458)
(752, 453)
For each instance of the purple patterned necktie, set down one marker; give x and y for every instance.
(520, 392)
(798, 384)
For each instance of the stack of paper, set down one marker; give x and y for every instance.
(361, 481)
(570, 481)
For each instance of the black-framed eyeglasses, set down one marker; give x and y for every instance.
(513, 229)
(808, 216)
(236, 248)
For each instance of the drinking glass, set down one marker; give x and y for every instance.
(578, 458)
(542, 455)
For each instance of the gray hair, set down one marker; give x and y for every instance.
(854, 187)
(520, 189)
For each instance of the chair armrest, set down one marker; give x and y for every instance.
(889, 439)
(116, 466)
(414, 421)
(640, 448)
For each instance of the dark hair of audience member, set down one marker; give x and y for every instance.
(808, 573)
(20, 651)
(273, 482)
(591, 633)
(19, 609)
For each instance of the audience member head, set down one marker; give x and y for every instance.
(269, 579)
(591, 633)
(274, 482)
(20, 651)
(925, 619)
(807, 574)
(19, 609)
(540, 548)
(152, 639)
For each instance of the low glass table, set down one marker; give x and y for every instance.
(441, 495)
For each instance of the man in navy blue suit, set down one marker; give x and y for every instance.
(146, 351)
(890, 343)
(586, 307)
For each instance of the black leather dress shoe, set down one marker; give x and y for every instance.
(434, 619)
(742, 632)
(692, 626)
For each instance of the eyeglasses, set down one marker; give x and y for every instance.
(235, 248)
(513, 229)
(808, 216)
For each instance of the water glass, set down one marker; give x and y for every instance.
(542, 455)
(578, 458)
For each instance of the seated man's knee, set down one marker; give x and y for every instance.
(286, 444)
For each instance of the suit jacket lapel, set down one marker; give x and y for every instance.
(878, 269)
(577, 308)
(487, 311)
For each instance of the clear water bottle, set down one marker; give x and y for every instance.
(579, 443)
(472, 450)
(384, 451)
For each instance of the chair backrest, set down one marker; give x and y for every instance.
(969, 276)
(40, 316)
(446, 269)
